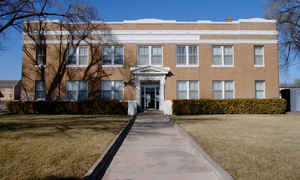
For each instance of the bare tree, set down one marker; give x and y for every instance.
(55, 70)
(13, 13)
(287, 14)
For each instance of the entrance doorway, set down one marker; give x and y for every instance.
(150, 96)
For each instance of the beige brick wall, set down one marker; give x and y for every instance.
(243, 72)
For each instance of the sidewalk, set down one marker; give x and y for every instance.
(155, 149)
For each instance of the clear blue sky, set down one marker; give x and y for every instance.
(118, 10)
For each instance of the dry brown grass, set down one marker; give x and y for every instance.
(50, 147)
(250, 147)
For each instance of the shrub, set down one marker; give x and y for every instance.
(229, 106)
(59, 107)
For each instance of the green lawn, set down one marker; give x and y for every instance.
(52, 147)
(249, 147)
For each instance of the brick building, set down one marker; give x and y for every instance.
(150, 62)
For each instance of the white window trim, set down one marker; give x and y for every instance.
(113, 56)
(256, 65)
(150, 56)
(222, 65)
(77, 58)
(187, 83)
(187, 57)
(78, 81)
(113, 92)
(264, 88)
(223, 88)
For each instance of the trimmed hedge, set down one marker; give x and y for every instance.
(229, 106)
(59, 107)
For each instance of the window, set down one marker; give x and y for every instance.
(77, 90)
(260, 89)
(187, 89)
(186, 55)
(150, 55)
(112, 89)
(41, 55)
(222, 56)
(258, 56)
(40, 93)
(112, 55)
(223, 89)
(77, 56)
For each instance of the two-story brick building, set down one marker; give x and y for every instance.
(151, 62)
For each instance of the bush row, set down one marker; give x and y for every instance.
(229, 106)
(59, 107)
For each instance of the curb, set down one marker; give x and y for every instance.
(99, 168)
(220, 172)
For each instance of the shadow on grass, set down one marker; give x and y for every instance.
(61, 124)
(56, 178)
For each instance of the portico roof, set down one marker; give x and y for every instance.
(150, 70)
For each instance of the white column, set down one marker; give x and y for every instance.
(162, 93)
(138, 91)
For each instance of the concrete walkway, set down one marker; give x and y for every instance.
(155, 149)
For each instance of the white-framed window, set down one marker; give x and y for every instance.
(260, 89)
(259, 56)
(223, 89)
(187, 55)
(150, 55)
(222, 56)
(40, 92)
(187, 89)
(77, 56)
(112, 55)
(77, 90)
(112, 89)
(41, 55)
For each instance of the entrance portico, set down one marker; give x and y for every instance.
(150, 86)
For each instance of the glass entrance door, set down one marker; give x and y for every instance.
(150, 97)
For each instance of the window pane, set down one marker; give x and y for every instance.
(217, 94)
(107, 55)
(106, 90)
(41, 55)
(180, 55)
(228, 94)
(217, 55)
(118, 89)
(229, 85)
(118, 55)
(143, 53)
(228, 55)
(259, 55)
(156, 55)
(181, 90)
(83, 55)
(71, 56)
(83, 90)
(260, 94)
(260, 89)
(217, 85)
(72, 90)
(193, 57)
(40, 90)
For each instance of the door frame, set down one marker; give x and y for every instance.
(150, 86)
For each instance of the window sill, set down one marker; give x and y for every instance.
(40, 99)
(77, 66)
(223, 66)
(117, 66)
(259, 66)
(197, 65)
(39, 66)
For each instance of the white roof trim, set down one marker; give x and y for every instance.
(161, 21)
